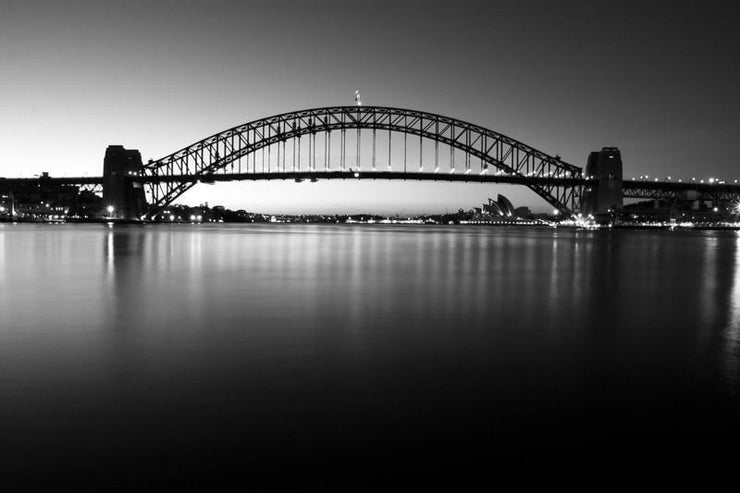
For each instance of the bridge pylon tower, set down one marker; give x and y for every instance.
(123, 196)
(603, 194)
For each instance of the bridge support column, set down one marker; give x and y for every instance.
(602, 196)
(123, 197)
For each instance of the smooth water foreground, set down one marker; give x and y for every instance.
(349, 353)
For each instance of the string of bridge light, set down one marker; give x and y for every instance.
(710, 181)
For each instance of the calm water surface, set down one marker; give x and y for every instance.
(342, 353)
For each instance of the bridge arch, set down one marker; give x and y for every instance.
(170, 176)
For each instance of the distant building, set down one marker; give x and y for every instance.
(671, 210)
(502, 207)
(45, 199)
(492, 208)
(505, 205)
(500, 210)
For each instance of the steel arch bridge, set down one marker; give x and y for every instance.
(221, 156)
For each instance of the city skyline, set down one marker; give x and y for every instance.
(657, 81)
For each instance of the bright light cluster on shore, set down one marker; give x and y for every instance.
(581, 221)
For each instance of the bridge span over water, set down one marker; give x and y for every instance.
(372, 143)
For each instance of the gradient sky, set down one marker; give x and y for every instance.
(659, 80)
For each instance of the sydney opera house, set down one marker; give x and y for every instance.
(501, 210)
(502, 207)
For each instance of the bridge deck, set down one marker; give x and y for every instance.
(630, 187)
(369, 175)
(63, 180)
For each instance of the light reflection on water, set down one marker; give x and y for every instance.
(731, 349)
(362, 337)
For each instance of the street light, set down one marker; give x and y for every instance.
(110, 210)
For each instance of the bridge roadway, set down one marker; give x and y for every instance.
(9, 183)
(631, 188)
(369, 175)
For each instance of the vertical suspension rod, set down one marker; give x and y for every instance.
(374, 131)
(390, 138)
(421, 153)
(343, 157)
(436, 146)
(405, 138)
(452, 158)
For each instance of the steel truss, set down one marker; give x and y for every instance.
(94, 188)
(681, 191)
(493, 151)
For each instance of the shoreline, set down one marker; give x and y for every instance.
(113, 222)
